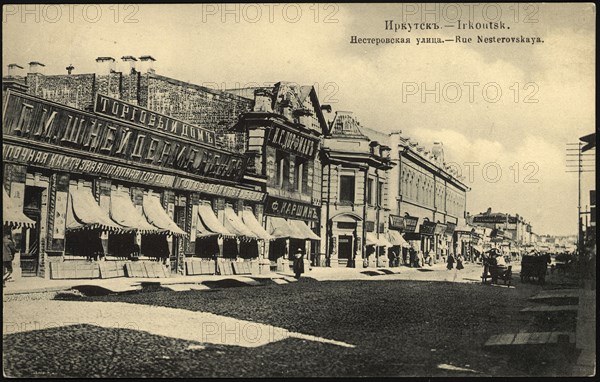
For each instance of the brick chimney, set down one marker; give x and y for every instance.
(105, 65)
(70, 69)
(263, 99)
(147, 64)
(14, 70)
(131, 61)
(36, 67)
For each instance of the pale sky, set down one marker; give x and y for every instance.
(382, 84)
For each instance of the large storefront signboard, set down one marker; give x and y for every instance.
(396, 222)
(71, 164)
(47, 123)
(291, 209)
(427, 228)
(410, 224)
(293, 142)
(495, 219)
(151, 120)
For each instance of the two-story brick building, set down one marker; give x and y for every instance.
(284, 132)
(354, 217)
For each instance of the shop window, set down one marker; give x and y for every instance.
(370, 191)
(283, 168)
(347, 185)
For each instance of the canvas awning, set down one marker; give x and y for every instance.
(305, 232)
(84, 213)
(279, 228)
(157, 216)
(381, 241)
(395, 238)
(209, 224)
(235, 225)
(12, 215)
(124, 213)
(250, 221)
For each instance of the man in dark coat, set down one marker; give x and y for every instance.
(298, 263)
(8, 253)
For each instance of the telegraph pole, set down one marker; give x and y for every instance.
(580, 167)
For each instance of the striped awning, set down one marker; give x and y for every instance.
(235, 225)
(124, 213)
(209, 224)
(253, 224)
(83, 213)
(12, 215)
(157, 216)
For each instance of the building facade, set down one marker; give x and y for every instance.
(426, 196)
(284, 132)
(100, 172)
(512, 232)
(354, 216)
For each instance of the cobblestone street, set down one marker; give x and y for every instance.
(307, 328)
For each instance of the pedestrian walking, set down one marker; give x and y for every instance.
(413, 257)
(8, 254)
(459, 262)
(450, 262)
(298, 263)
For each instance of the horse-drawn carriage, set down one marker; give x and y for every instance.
(497, 272)
(534, 267)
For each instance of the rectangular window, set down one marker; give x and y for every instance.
(300, 174)
(370, 191)
(379, 193)
(347, 188)
(283, 168)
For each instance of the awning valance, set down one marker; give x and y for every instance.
(124, 213)
(235, 225)
(396, 238)
(157, 216)
(305, 232)
(253, 224)
(209, 224)
(12, 215)
(84, 213)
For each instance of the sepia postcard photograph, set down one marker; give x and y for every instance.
(284, 190)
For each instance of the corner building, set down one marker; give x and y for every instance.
(284, 132)
(102, 175)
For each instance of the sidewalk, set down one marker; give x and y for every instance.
(179, 282)
(123, 284)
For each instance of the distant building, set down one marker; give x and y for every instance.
(426, 195)
(506, 229)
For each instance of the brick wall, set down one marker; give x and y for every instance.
(191, 103)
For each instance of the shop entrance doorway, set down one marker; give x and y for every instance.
(345, 250)
(30, 237)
